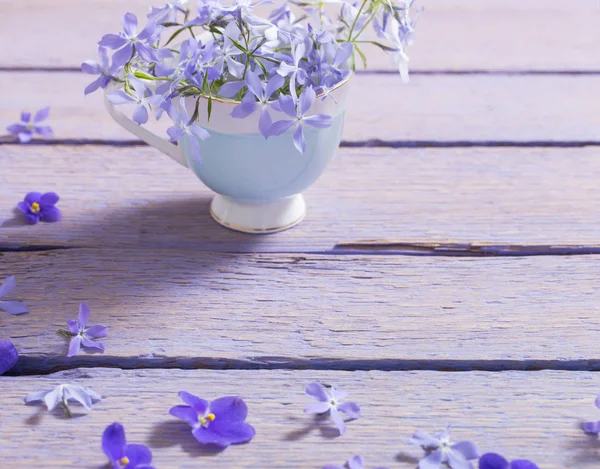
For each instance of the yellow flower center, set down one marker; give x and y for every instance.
(35, 207)
(124, 460)
(204, 420)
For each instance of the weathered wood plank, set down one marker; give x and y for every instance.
(136, 197)
(501, 34)
(441, 108)
(518, 419)
(197, 309)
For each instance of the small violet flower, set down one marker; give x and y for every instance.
(142, 97)
(305, 102)
(296, 74)
(439, 449)
(103, 68)
(25, 129)
(8, 356)
(262, 92)
(588, 427)
(12, 307)
(82, 335)
(356, 462)
(64, 393)
(219, 423)
(40, 207)
(121, 454)
(495, 461)
(330, 400)
(185, 134)
(130, 41)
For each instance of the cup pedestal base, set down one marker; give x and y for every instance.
(258, 218)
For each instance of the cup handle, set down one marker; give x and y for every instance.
(149, 137)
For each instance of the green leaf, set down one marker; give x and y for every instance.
(175, 34)
(170, 25)
(145, 76)
(209, 107)
(195, 115)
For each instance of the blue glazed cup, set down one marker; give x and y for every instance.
(259, 181)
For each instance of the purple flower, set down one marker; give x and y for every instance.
(185, 134)
(102, 68)
(141, 96)
(168, 12)
(355, 462)
(121, 454)
(297, 112)
(495, 461)
(330, 400)
(263, 92)
(38, 206)
(294, 71)
(219, 423)
(8, 356)
(592, 427)
(130, 41)
(83, 336)
(439, 449)
(25, 129)
(13, 307)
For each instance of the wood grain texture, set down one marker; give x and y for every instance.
(197, 309)
(529, 415)
(441, 108)
(136, 197)
(452, 34)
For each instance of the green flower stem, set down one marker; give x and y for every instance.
(362, 6)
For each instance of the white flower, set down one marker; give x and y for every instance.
(64, 393)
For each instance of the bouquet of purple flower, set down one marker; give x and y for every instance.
(276, 66)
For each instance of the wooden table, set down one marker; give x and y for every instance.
(429, 279)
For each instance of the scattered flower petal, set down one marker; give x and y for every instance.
(27, 128)
(123, 455)
(355, 462)
(81, 334)
(330, 401)
(40, 207)
(8, 356)
(439, 450)
(495, 461)
(63, 394)
(11, 306)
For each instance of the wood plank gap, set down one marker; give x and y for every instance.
(41, 364)
(371, 143)
(516, 72)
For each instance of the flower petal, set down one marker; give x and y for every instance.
(73, 326)
(265, 122)
(320, 121)
(41, 115)
(299, 140)
(274, 83)
(457, 461)
(467, 449)
(208, 437)
(112, 41)
(137, 455)
(84, 315)
(231, 88)
(113, 441)
(35, 396)
(316, 408)
(492, 461)
(243, 110)
(77, 393)
(130, 24)
(307, 98)
(74, 346)
(119, 97)
(122, 56)
(26, 136)
(8, 356)
(232, 432)
(356, 462)
(425, 440)
(338, 420)
(337, 394)
(591, 427)
(50, 215)
(199, 405)
(280, 127)
(433, 461)
(44, 130)
(96, 332)
(255, 84)
(32, 197)
(597, 401)
(13, 307)
(93, 86)
(287, 105)
(90, 67)
(31, 218)
(25, 116)
(185, 413)
(91, 344)
(53, 398)
(49, 198)
(140, 115)
(8, 285)
(317, 390)
(230, 408)
(351, 409)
